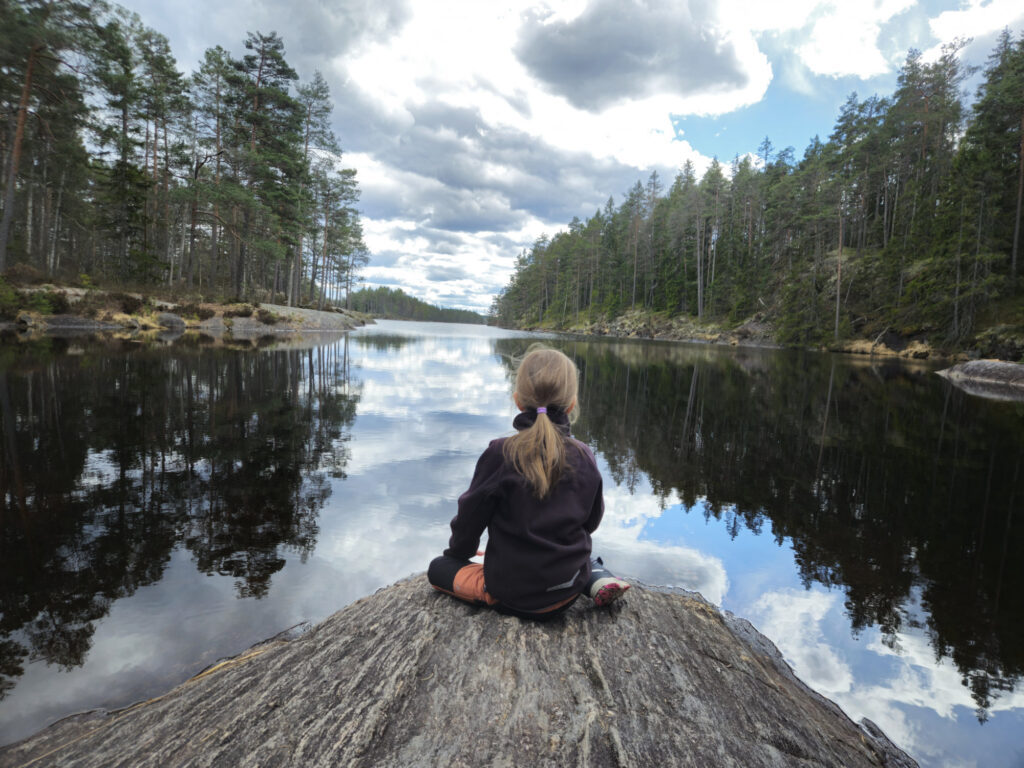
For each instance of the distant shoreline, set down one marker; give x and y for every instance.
(100, 311)
(997, 343)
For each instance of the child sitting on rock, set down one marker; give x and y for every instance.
(539, 496)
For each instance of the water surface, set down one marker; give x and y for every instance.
(168, 506)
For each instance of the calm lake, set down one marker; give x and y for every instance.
(168, 505)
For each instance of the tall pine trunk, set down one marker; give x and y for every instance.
(19, 135)
(839, 273)
(1020, 196)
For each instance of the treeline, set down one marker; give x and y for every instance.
(118, 167)
(396, 303)
(908, 217)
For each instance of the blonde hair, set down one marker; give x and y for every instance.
(547, 378)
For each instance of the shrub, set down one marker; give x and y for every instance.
(266, 317)
(194, 310)
(25, 274)
(50, 302)
(10, 301)
(91, 304)
(130, 305)
(241, 310)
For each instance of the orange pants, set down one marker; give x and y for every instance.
(465, 581)
(468, 585)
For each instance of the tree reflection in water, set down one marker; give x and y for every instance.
(115, 455)
(888, 483)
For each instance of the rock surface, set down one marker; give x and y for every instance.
(993, 379)
(286, 320)
(411, 677)
(298, 318)
(170, 320)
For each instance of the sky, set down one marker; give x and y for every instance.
(477, 127)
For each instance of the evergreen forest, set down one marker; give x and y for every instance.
(118, 169)
(906, 219)
(397, 304)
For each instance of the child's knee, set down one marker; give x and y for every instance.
(441, 572)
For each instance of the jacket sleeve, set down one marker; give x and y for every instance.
(597, 508)
(476, 505)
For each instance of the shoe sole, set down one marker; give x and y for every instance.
(609, 593)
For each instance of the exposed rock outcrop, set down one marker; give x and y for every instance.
(756, 331)
(410, 677)
(170, 320)
(294, 319)
(270, 319)
(994, 379)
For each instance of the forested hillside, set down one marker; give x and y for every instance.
(907, 218)
(396, 303)
(118, 167)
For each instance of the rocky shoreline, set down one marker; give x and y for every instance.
(169, 320)
(1000, 342)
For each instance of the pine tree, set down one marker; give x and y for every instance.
(38, 39)
(267, 137)
(122, 183)
(315, 102)
(993, 148)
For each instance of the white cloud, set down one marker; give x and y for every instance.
(792, 619)
(799, 623)
(487, 265)
(439, 45)
(978, 21)
(618, 541)
(830, 37)
(759, 16)
(977, 18)
(844, 39)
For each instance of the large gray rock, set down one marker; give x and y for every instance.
(993, 379)
(410, 677)
(170, 320)
(301, 319)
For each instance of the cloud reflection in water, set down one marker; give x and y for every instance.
(429, 399)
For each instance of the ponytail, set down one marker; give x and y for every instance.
(546, 380)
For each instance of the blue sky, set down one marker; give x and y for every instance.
(476, 127)
(787, 118)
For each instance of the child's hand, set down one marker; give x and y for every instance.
(479, 553)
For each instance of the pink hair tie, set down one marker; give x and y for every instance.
(541, 410)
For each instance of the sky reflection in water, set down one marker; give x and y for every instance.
(428, 398)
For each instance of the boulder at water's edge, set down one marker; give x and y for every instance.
(992, 379)
(411, 677)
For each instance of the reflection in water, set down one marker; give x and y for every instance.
(885, 481)
(114, 457)
(163, 509)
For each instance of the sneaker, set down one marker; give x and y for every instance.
(604, 587)
(607, 591)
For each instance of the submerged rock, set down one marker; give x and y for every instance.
(410, 677)
(993, 379)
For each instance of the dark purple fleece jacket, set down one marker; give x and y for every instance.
(538, 550)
